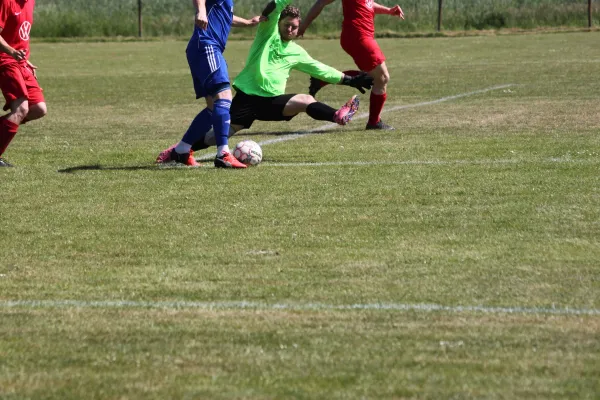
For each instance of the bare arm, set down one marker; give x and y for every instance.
(242, 22)
(395, 11)
(268, 9)
(313, 13)
(18, 55)
(201, 19)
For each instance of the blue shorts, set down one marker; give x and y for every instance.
(208, 68)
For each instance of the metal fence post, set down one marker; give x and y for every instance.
(439, 21)
(140, 18)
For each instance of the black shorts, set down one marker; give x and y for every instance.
(247, 108)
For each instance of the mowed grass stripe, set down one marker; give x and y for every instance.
(252, 305)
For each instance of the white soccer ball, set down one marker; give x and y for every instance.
(248, 152)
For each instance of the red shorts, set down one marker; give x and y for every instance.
(364, 50)
(16, 81)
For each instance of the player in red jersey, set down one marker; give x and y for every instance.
(358, 40)
(18, 80)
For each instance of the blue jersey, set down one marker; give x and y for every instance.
(220, 16)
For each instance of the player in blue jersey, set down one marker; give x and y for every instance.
(213, 22)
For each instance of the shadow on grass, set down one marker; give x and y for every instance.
(153, 167)
(98, 167)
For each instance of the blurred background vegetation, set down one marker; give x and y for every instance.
(109, 18)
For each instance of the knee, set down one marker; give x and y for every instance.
(382, 79)
(37, 111)
(306, 99)
(222, 92)
(43, 109)
(21, 111)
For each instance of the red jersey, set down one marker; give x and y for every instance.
(16, 17)
(359, 18)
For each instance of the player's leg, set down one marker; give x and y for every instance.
(320, 111)
(208, 140)
(241, 118)
(183, 151)
(381, 78)
(9, 125)
(35, 95)
(199, 127)
(368, 57)
(243, 114)
(36, 111)
(211, 81)
(298, 103)
(15, 92)
(215, 116)
(200, 69)
(221, 122)
(204, 63)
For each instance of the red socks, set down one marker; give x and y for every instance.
(8, 130)
(377, 102)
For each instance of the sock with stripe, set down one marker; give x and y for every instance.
(220, 121)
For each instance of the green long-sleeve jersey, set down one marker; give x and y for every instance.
(270, 60)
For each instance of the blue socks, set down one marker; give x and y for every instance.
(199, 127)
(221, 120)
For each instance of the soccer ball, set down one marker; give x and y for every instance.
(248, 152)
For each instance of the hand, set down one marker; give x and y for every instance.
(362, 81)
(33, 68)
(201, 20)
(18, 55)
(301, 31)
(397, 11)
(257, 20)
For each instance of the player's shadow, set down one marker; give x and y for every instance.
(154, 167)
(98, 167)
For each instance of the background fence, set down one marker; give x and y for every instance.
(79, 18)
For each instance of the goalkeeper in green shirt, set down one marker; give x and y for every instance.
(260, 86)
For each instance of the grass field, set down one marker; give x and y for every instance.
(456, 257)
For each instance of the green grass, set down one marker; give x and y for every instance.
(80, 18)
(491, 199)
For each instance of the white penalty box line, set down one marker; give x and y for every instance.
(251, 305)
(298, 134)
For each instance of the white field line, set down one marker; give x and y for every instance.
(428, 162)
(296, 135)
(500, 161)
(251, 305)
